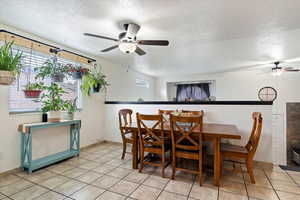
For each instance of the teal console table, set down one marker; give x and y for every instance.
(26, 144)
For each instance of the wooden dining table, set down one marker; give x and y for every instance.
(212, 132)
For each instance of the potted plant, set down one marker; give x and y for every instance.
(10, 64)
(52, 69)
(33, 90)
(78, 71)
(52, 101)
(93, 81)
(70, 108)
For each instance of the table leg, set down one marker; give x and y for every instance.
(135, 150)
(217, 161)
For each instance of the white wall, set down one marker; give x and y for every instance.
(93, 114)
(244, 85)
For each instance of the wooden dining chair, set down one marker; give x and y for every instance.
(165, 112)
(246, 153)
(187, 142)
(152, 141)
(124, 120)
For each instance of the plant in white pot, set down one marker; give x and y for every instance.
(52, 101)
(70, 108)
(10, 64)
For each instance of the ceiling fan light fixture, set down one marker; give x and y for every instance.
(127, 47)
(276, 71)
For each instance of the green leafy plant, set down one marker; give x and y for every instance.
(34, 86)
(51, 99)
(93, 80)
(71, 106)
(52, 68)
(9, 61)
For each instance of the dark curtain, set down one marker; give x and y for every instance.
(199, 91)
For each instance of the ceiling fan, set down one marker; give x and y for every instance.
(128, 42)
(278, 70)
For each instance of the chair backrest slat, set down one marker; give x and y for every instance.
(150, 129)
(255, 133)
(186, 132)
(125, 117)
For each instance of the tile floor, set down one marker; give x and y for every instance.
(99, 174)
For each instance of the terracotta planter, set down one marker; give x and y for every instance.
(54, 116)
(32, 93)
(6, 77)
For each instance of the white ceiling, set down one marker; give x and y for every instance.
(205, 35)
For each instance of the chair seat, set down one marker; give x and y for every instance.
(233, 148)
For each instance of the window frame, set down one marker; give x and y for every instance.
(79, 100)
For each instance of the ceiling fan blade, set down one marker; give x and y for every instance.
(99, 36)
(140, 51)
(291, 69)
(110, 48)
(154, 42)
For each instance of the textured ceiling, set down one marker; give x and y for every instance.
(205, 35)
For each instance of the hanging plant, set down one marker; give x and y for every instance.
(33, 90)
(52, 69)
(93, 82)
(10, 64)
(78, 71)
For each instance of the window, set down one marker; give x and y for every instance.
(195, 91)
(31, 59)
(141, 83)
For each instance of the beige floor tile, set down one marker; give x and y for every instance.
(233, 187)
(231, 196)
(127, 165)
(54, 181)
(184, 177)
(120, 172)
(2, 196)
(286, 187)
(178, 187)
(51, 196)
(15, 187)
(124, 187)
(116, 162)
(287, 196)
(232, 176)
(89, 166)
(89, 177)
(136, 177)
(30, 193)
(90, 156)
(60, 168)
(145, 193)
(104, 168)
(69, 187)
(8, 179)
(87, 193)
(105, 181)
(73, 173)
(295, 176)
(279, 176)
(111, 196)
(261, 193)
(102, 160)
(156, 181)
(171, 196)
(203, 192)
(39, 176)
(259, 181)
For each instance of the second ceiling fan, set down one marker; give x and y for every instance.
(128, 42)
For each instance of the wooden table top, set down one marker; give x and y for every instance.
(229, 131)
